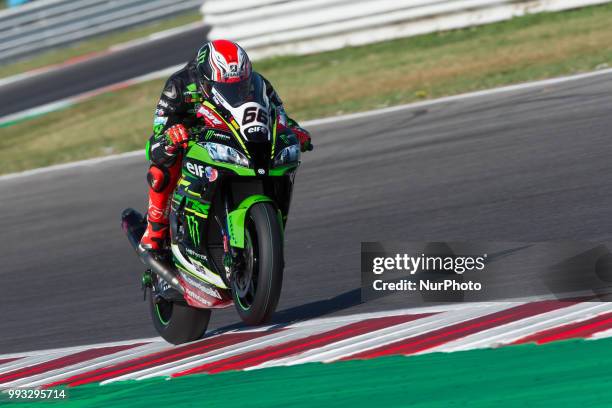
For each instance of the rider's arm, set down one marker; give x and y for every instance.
(170, 111)
(302, 134)
(277, 102)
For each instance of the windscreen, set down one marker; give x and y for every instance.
(239, 93)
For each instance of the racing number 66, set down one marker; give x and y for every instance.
(253, 113)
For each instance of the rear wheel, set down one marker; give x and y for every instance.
(177, 322)
(256, 287)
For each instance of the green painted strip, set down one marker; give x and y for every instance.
(148, 150)
(274, 126)
(571, 373)
(281, 171)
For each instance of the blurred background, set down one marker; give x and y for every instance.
(90, 60)
(72, 69)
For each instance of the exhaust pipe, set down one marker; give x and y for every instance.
(134, 227)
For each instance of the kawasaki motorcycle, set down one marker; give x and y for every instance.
(228, 213)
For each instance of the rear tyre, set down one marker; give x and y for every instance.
(256, 288)
(176, 322)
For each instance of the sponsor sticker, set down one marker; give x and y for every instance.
(202, 287)
(256, 129)
(211, 174)
(160, 120)
(195, 169)
(203, 111)
(198, 298)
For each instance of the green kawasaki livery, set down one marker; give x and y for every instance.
(228, 214)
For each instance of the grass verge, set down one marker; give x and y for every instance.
(353, 79)
(96, 44)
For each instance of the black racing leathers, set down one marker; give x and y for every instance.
(179, 103)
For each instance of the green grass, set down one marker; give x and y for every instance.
(348, 80)
(563, 374)
(96, 44)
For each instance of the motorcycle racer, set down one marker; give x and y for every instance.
(221, 65)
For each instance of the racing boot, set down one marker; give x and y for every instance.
(155, 236)
(162, 181)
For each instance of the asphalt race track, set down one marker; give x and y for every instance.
(526, 165)
(104, 70)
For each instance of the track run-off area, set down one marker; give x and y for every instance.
(529, 163)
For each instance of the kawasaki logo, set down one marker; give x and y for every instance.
(194, 229)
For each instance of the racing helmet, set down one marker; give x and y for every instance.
(224, 69)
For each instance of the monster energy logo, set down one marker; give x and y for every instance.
(211, 133)
(202, 55)
(285, 139)
(194, 229)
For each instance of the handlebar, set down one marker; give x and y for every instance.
(196, 132)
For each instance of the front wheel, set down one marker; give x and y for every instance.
(177, 322)
(257, 285)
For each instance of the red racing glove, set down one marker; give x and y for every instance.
(177, 136)
(304, 138)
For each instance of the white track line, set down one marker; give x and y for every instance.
(601, 335)
(375, 339)
(75, 349)
(448, 315)
(348, 117)
(30, 361)
(503, 335)
(321, 321)
(111, 50)
(294, 331)
(88, 365)
(194, 361)
(226, 352)
(461, 97)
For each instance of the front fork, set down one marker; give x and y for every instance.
(232, 257)
(234, 231)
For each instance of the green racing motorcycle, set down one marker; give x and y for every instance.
(227, 218)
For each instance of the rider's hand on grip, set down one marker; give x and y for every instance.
(304, 138)
(177, 137)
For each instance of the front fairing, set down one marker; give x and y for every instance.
(259, 143)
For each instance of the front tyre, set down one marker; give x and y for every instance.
(257, 285)
(177, 322)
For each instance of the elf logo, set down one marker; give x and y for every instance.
(196, 169)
